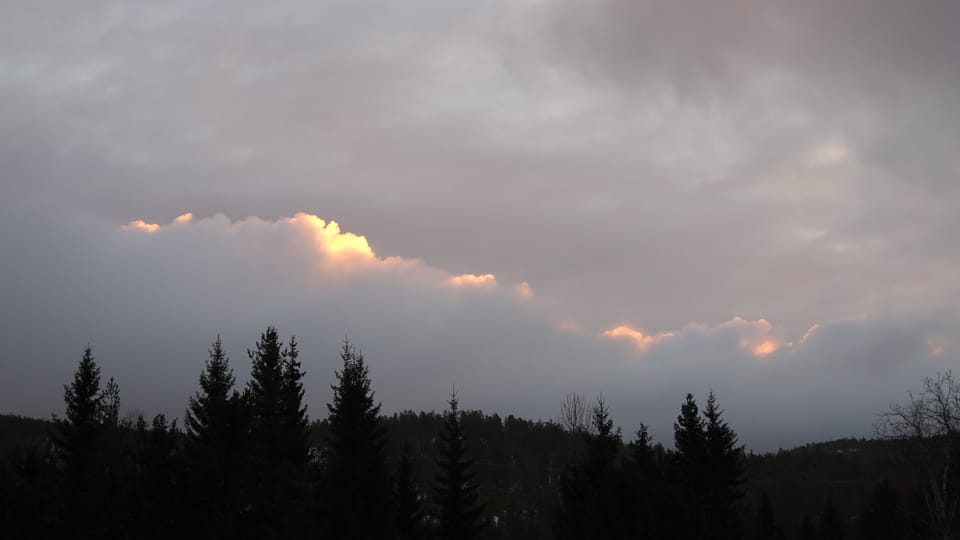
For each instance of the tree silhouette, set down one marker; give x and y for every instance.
(592, 493)
(78, 431)
(295, 422)
(689, 459)
(647, 496)
(723, 472)
(216, 449)
(357, 495)
(278, 434)
(459, 516)
(83, 455)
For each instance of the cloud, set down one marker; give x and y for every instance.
(755, 337)
(641, 340)
(150, 303)
(485, 281)
(641, 165)
(140, 225)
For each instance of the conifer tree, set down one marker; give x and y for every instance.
(723, 472)
(409, 507)
(296, 439)
(269, 428)
(646, 494)
(357, 499)
(86, 457)
(110, 405)
(455, 493)
(595, 497)
(688, 469)
(217, 433)
(78, 431)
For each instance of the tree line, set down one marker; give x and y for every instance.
(248, 463)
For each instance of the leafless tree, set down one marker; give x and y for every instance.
(931, 422)
(573, 413)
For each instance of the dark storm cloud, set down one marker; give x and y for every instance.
(661, 165)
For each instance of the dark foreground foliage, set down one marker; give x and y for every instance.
(246, 463)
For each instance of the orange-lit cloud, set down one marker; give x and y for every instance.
(764, 348)
(641, 341)
(523, 289)
(336, 251)
(183, 218)
(755, 337)
(483, 281)
(141, 225)
(343, 250)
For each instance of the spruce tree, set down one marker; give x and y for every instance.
(409, 507)
(594, 497)
(77, 433)
(357, 499)
(688, 469)
(294, 442)
(88, 450)
(455, 494)
(723, 474)
(296, 437)
(645, 491)
(216, 447)
(269, 403)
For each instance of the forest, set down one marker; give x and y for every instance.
(250, 463)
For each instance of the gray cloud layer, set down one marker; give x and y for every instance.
(664, 165)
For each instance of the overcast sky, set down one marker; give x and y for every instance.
(523, 198)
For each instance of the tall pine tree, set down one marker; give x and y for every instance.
(216, 450)
(87, 446)
(357, 499)
(278, 434)
(723, 474)
(688, 461)
(296, 437)
(593, 492)
(455, 493)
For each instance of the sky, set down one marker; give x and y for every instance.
(518, 198)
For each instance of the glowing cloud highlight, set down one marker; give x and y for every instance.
(483, 281)
(343, 250)
(142, 226)
(641, 340)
